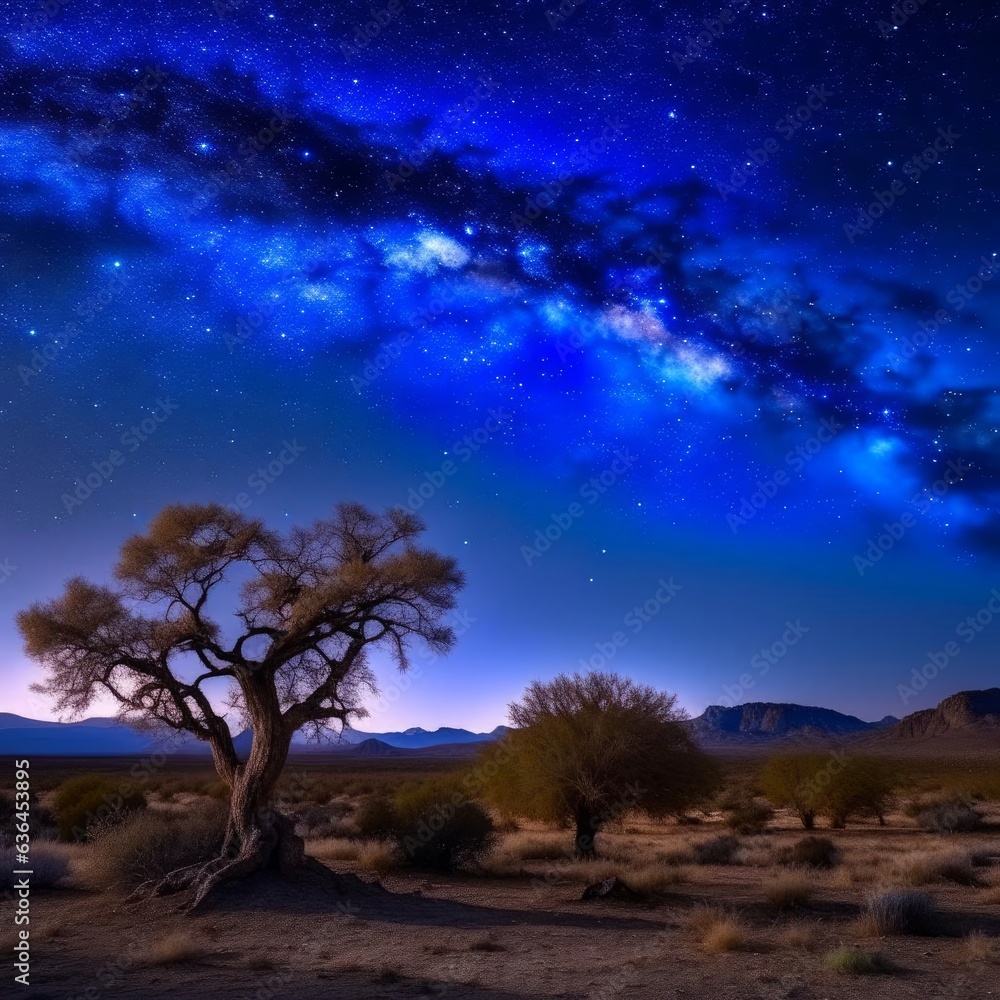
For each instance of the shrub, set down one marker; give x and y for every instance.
(787, 892)
(151, 844)
(376, 817)
(746, 814)
(849, 962)
(954, 816)
(899, 911)
(378, 857)
(319, 822)
(719, 850)
(817, 852)
(334, 849)
(92, 800)
(718, 930)
(49, 865)
(979, 947)
(926, 867)
(655, 878)
(527, 846)
(831, 785)
(436, 826)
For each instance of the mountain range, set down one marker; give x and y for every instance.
(102, 737)
(965, 715)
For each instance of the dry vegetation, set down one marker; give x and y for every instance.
(713, 907)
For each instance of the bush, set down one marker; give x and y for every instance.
(899, 911)
(718, 930)
(151, 844)
(376, 817)
(788, 892)
(436, 826)
(94, 800)
(849, 962)
(817, 852)
(719, 850)
(950, 816)
(925, 867)
(744, 813)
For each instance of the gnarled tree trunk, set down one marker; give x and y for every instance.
(257, 835)
(586, 830)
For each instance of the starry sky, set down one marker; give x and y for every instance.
(676, 322)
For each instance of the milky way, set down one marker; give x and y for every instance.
(751, 246)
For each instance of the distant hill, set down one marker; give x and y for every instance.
(99, 737)
(764, 721)
(963, 713)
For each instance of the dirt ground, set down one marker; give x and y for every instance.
(517, 935)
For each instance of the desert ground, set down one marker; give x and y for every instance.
(740, 917)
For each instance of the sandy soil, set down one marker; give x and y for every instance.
(484, 937)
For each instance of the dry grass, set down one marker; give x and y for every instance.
(989, 897)
(334, 849)
(378, 858)
(898, 911)
(979, 947)
(680, 854)
(718, 931)
(925, 867)
(173, 949)
(849, 962)
(799, 937)
(656, 878)
(530, 846)
(590, 871)
(788, 891)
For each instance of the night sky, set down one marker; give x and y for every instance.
(681, 336)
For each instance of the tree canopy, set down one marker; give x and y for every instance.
(588, 749)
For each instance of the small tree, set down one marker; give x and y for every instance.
(795, 781)
(312, 605)
(861, 787)
(587, 749)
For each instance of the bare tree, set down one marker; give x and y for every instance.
(310, 606)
